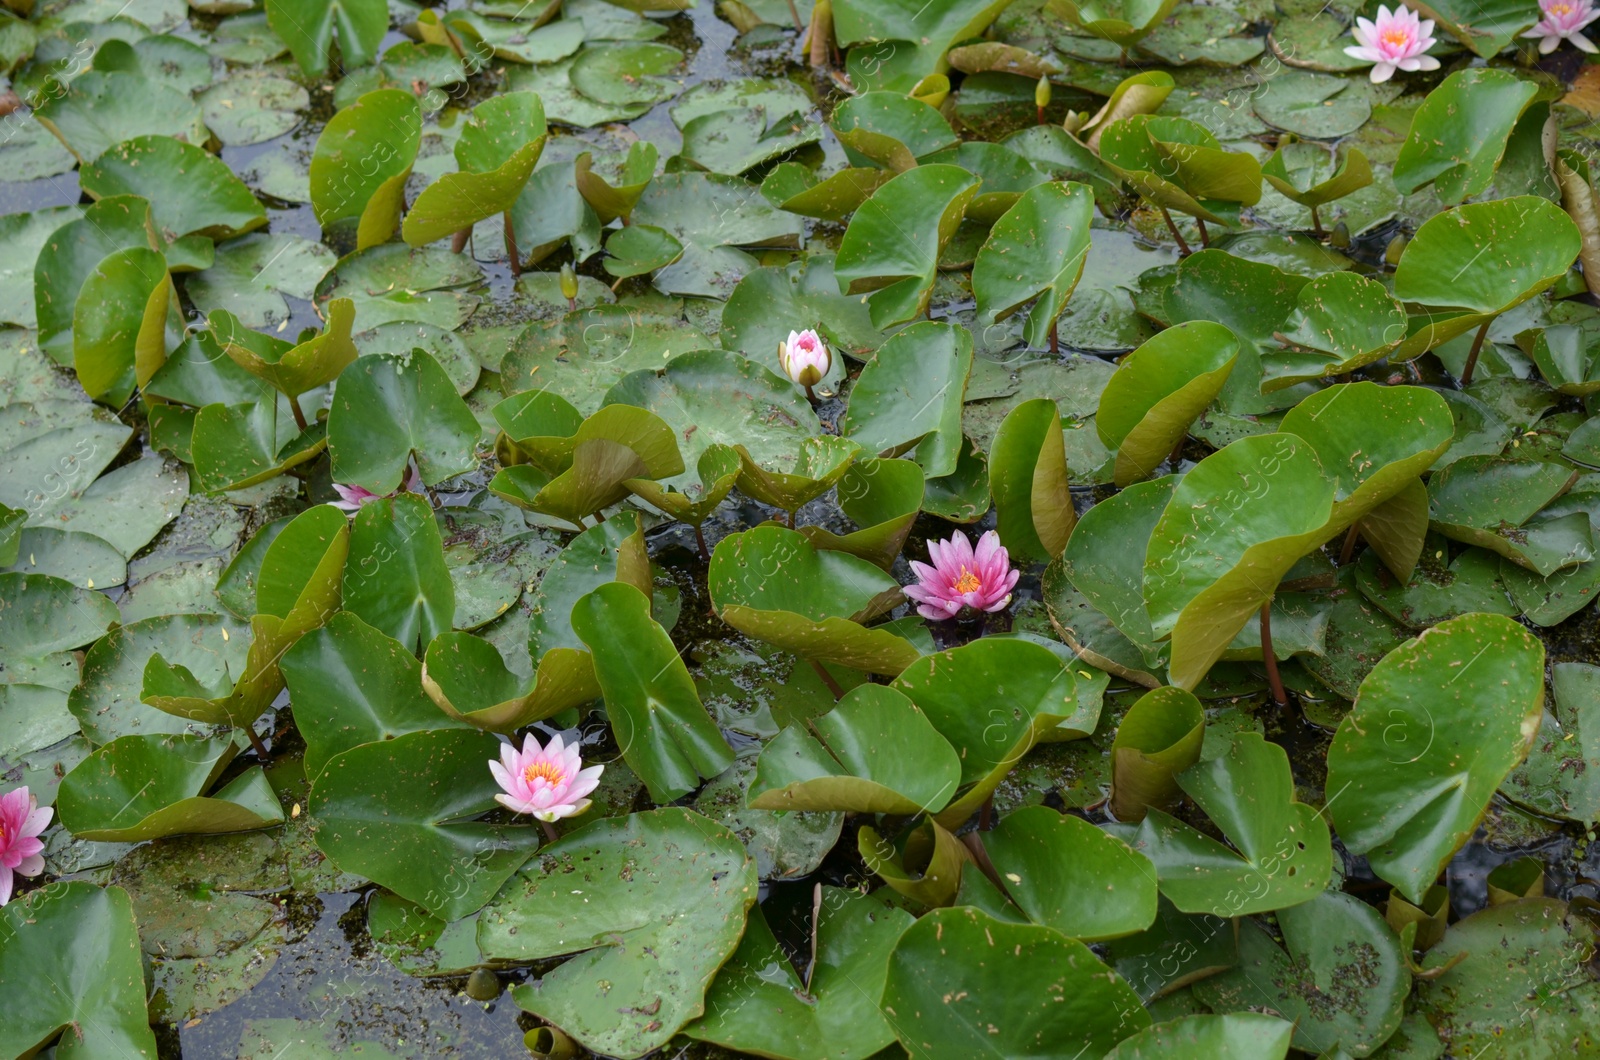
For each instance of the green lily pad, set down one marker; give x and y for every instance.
(674, 884)
(1470, 264)
(1409, 776)
(72, 954)
(713, 216)
(734, 127)
(145, 787)
(397, 581)
(908, 398)
(1281, 854)
(771, 583)
(884, 498)
(664, 731)
(762, 310)
(891, 249)
(366, 688)
(1558, 778)
(1460, 132)
(958, 691)
(1340, 322)
(1065, 873)
(418, 838)
(1028, 477)
(1158, 738)
(1214, 559)
(691, 393)
(1482, 1004)
(422, 418)
(1045, 989)
(1436, 592)
(361, 162)
(252, 108)
(1012, 268)
(1158, 390)
(1318, 106)
(189, 189)
(1232, 1036)
(821, 462)
(874, 753)
(308, 27)
(393, 282)
(1499, 504)
(785, 846)
(251, 276)
(1486, 28)
(581, 355)
(792, 186)
(101, 109)
(107, 701)
(1343, 979)
(759, 1004)
(467, 678)
(499, 146)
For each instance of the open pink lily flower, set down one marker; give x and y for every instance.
(354, 498)
(805, 358)
(961, 577)
(1564, 20)
(21, 852)
(544, 781)
(1393, 42)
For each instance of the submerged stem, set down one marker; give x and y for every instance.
(1347, 553)
(1267, 656)
(512, 254)
(1472, 356)
(256, 744)
(827, 679)
(1172, 226)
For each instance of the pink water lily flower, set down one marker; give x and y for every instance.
(1393, 42)
(21, 852)
(1564, 20)
(354, 498)
(961, 577)
(544, 781)
(805, 358)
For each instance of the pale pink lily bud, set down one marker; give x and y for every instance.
(354, 498)
(805, 358)
(547, 782)
(21, 851)
(961, 577)
(1564, 20)
(1393, 42)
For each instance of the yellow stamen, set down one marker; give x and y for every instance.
(1396, 38)
(1559, 10)
(968, 582)
(548, 770)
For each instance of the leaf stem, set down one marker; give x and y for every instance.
(1055, 339)
(255, 743)
(1316, 224)
(827, 679)
(1205, 237)
(794, 13)
(1472, 356)
(1183, 244)
(512, 254)
(700, 539)
(294, 407)
(458, 242)
(1348, 551)
(550, 833)
(1271, 659)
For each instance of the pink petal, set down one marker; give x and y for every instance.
(5, 885)
(31, 865)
